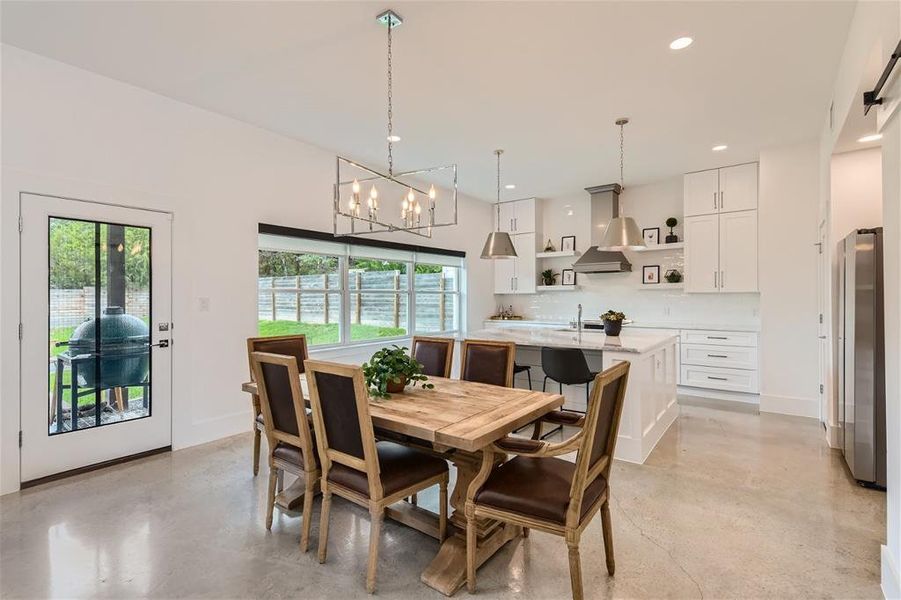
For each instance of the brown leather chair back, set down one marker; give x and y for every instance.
(600, 431)
(288, 345)
(488, 361)
(282, 402)
(341, 419)
(435, 354)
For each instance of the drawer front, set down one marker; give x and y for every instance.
(733, 357)
(718, 378)
(719, 338)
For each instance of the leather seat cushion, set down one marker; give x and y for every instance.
(262, 423)
(536, 487)
(400, 468)
(292, 454)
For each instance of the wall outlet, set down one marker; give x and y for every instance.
(203, 304)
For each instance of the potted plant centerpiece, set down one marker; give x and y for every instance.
(613, 322)
(548, 277)
(390, 370)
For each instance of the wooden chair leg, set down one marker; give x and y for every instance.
(525, 532)
(309, 492)
(414, 499)
(608, 537)
(270, 502)
(575, 570)
(536, 432)
(375, 531)
(281, 481)
(471, 555)
(257, 437)
(442, 511)
(323, 524)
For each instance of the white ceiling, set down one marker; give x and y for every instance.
(545, 81)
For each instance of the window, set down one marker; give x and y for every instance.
(300, 293)
(339, 293)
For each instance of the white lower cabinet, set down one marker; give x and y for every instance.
(719, 360)
(719, 378)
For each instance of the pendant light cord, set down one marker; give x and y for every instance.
(622, 124)
(498, 203)
(390, 107)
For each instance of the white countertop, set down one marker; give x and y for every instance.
(629, 341)
(634, 325)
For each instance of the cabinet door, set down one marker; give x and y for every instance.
(503, 275)
(526, 264)
(738, 188)
(700, 193)
(524, 215)
(701, 254)
(506, 219)
(738, 251)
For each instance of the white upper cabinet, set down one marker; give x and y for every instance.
(701, 193)
(526, 263)
(701, 254)
(728, 189)
(518, 216)
(504, 269)
(738, 188)
(738, 251)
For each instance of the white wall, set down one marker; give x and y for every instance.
(70, 132)
(856, 191)
(877, 26)
(650, 205)
(788, 196)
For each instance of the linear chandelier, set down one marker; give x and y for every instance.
(362, 211)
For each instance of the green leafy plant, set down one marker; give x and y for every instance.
(549, 277)
(612, 315)
(673, 276)
(390, 370)
(672, 222)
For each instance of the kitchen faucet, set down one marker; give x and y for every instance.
(579, 320)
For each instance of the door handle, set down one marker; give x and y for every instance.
(160, 344)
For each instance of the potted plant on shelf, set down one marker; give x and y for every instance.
(390, 370)
(673, 276)
(548, 277)
(672, 238)
(613, 322)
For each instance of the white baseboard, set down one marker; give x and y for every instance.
(788, 405)
(833, 436)
(891, 581)
(726, 395)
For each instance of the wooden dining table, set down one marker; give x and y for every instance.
(456, 420)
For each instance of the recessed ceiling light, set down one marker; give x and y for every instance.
(680, 43)
(510, 186)
(870, 138)
(719, 148)
(393, 138)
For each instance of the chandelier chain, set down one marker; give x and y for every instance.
(390, 107)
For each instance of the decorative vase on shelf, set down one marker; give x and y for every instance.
(613, 328)
(673, 276)
(550, 247)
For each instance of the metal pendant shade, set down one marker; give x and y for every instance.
(622, 232)
(498, 244)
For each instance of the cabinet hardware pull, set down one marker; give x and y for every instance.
(721, 199)
(718, 356)
(722, 279)
(714, 200)
(717, 337)
(717, 378)
(511, 225)
(715, 284)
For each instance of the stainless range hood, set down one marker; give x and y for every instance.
(604, 207)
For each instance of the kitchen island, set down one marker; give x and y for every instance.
(650, 405)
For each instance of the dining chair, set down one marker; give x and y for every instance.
(487, 361)
(355, 467)
(435, 354)
(537, 490)
(288, 434)
(288, 345)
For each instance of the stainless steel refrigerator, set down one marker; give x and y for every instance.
(861, 355)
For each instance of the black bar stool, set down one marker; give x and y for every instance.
(523, 368)
(566, 366)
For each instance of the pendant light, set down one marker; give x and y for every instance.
(498, 244)
(622, 232)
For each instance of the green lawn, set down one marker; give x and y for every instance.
(319, 333)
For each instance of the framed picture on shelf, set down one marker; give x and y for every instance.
(568, 243)
(651, 236)
(650, 274)
(569, 276)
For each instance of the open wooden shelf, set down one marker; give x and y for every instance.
(559, 254)
(661, 247)
(556, 288)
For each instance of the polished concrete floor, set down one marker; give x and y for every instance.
(729, 505)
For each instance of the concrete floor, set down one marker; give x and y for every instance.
(729, 505)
